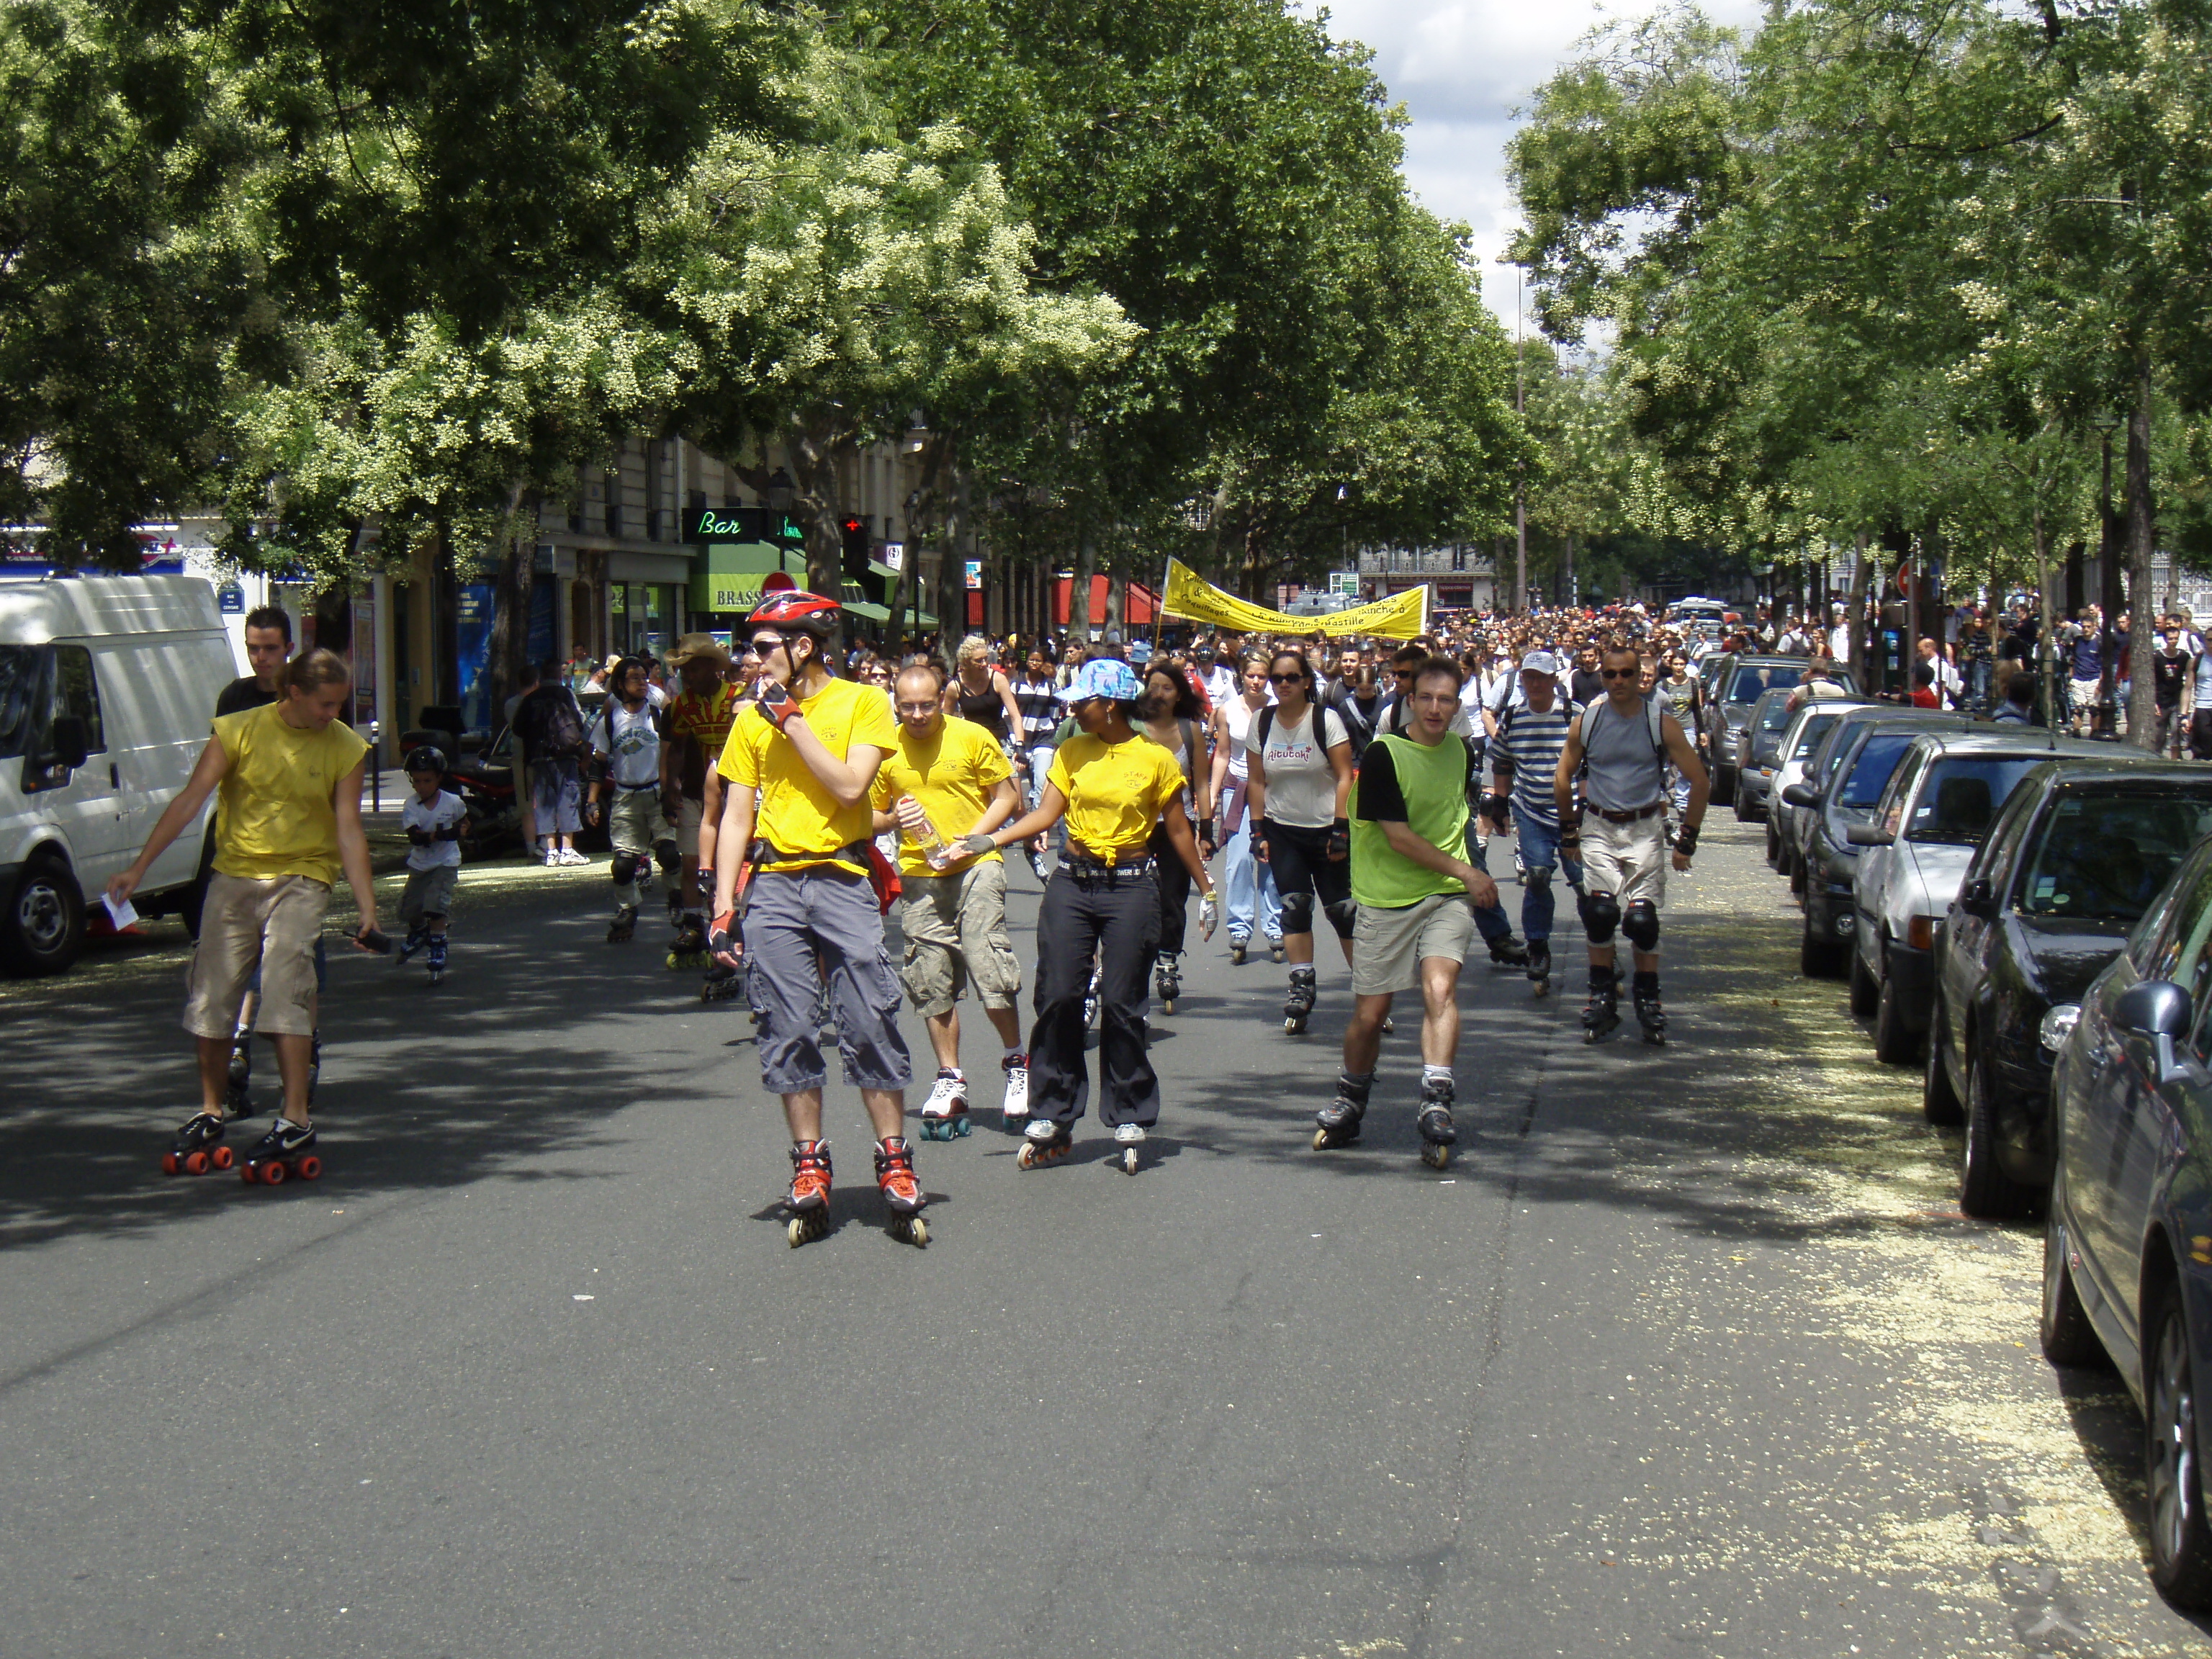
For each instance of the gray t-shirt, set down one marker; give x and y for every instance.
(1624, 772)
(1301, 785)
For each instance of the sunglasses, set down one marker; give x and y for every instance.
(1618, 673)
(1287, 679)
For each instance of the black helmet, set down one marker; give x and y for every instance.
(428, 757)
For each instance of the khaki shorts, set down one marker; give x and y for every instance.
(428, 893)
(1388, 946)
(1628, 861)
(270, 925)
(955, 935)
(634, 820)
(688, 815)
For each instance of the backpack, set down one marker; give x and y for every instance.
(1652, 712)
(555, 729)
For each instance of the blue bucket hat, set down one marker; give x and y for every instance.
(1106, 678)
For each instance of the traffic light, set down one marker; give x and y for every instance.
(855, 533)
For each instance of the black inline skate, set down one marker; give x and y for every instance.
(722, 983)
(1602, 1013)
(1435, 1122)
(1337, 1124)
(1507, 951)
(286, 1153)
(199, 1147)
(1167, 979)
(1299, 1006)
(689, 948)
(623, 927)
(1274, 950)
(1044, 1142)
(436, 960)
(237, 1091)
(1237, 947)
(1649, 1013)
(1540, 965)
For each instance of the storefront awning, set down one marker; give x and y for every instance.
(867, 608)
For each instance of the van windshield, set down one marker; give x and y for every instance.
(19, 684)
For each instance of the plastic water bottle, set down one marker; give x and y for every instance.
(926, 837)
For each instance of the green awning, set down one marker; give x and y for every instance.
(867, 608)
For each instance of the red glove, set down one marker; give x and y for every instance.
(778, 704)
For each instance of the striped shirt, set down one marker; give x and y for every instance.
(1532, 743)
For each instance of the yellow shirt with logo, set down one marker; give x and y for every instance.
(799, 816)
(952, 774)
(1115, 791)
(277, 818)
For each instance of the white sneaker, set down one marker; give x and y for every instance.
(948, 1094)
(552, 858)
(570, 855)
(1128, 1134)
(1017, 1106)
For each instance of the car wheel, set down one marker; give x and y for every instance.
(42, 929)
(2066, 1335)
(1894, 1043)
(1796, 875)
(1985, 1189)
(1742, 803)
(1816, 958)
(2180, 1541)
(1865, 994)
(1774, 843)
(1939, 1100)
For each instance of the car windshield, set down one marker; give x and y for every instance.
(1816, 727)
(1870, 772)
(1754, 679)
(19, 683)
(2104, 854)
(1962, 792)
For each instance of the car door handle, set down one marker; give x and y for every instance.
(114, 777)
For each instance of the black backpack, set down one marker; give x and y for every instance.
(551, 724)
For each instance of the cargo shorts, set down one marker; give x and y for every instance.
(271, 924)
(955, 936)
(802, 925)
(1628, 861)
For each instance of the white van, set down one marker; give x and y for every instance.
(107, 686)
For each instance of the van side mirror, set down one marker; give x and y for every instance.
(1802, 795)
(1868, 834)
(1975, 899)
(69, 743)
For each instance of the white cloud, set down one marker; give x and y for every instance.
(1462, 67)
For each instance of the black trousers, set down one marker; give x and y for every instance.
(1175, 891)
(1118, 915)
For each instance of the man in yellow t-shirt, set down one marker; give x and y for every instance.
(810, 745)
(290, 774)
(950, 776)
(698, 722)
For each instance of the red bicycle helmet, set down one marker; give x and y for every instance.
(810, 613)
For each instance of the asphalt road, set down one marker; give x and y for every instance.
(1689, 1352)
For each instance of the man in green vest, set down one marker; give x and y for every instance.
(1417, 895)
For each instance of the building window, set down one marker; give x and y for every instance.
(640, 618)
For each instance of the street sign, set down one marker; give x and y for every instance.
(975, 576)
(892, 556)
(1344, 581)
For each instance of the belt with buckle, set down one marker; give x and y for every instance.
(1139, 862)
(1640, 812)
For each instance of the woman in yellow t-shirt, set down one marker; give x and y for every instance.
(1112, 784)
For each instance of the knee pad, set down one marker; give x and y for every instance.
(665, 855)
(1298, 913)
(1601, 915)
(625, 868)
(1641, 924)
(1536, 878)
(1341, 916)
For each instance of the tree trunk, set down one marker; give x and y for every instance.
(2141, 532)
(1854, 616)
(1079, 591)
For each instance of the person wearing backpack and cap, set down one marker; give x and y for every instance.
(1620, 745)
(810, 745)
(550, 722)
(1113, 785)
(1524, 755)
(697, 720)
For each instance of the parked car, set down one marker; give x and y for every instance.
(2127, 1242)
(1937, 810)
(2078, 854)
(107, 687)
(1862, 754)
(1761, 748)
(1737, 683)
(1799, 743)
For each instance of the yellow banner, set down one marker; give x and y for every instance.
(1191, 596)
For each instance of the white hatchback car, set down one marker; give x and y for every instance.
(1940, 803)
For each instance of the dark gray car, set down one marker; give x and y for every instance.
(1737, 683)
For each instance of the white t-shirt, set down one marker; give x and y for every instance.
(442, 813)
(2202, 679)
(1301, 787)
(632, 740)
(1220, 684)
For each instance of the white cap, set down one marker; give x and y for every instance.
(1541, 662)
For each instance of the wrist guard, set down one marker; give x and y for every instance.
(777, 704)
(1499, 809)
(421, 837)
(1685, 840)
(1206, 832)
(1340, 839)
(719, 941)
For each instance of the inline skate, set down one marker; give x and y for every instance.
(902, 1192)
(1601, 1014)
(1435, 1122)
(689, 948)
(1507, 951)
(287, 1153)
(1299, 1006)
(807, 1204)
(720, 984)
(199, 1147)
(945, 1114)
(1044, 1142)
(1167, 979)
(416, 939)
(1275, 950)
(623, 927)
(1650, 1014)
(1129, 1146)
(1540, 965)
(237, 1090)
(1337, 1124)
(1237, 948)
(435, 962)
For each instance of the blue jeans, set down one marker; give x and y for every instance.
(1491, 923)
(1539, 855)
(1248, 884)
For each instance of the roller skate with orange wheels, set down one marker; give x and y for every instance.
(286, 1153)
(199, 1147)
(1044, 1142)
(807, 1204)
(902, 1194)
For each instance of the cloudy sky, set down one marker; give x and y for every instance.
(1461, 67)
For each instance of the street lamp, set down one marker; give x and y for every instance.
(781, 492)
(918, 434)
